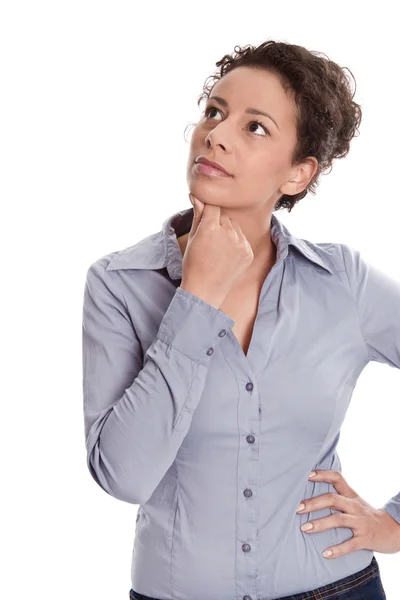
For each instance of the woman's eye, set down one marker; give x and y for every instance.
(210, 108)
(207, 111)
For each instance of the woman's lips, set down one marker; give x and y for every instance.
(208, 170)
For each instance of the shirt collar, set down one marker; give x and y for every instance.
(161, 249)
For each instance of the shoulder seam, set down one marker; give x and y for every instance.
(124, 302)
(110, 280)
(354, 301)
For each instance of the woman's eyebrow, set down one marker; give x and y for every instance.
(251, 111)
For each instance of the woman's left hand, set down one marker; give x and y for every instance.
(373, 528)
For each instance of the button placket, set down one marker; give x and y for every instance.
(247, 531)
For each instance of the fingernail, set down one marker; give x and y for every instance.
(327, 553)
(301, 507)
(312, 474)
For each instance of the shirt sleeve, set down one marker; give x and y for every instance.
(138, 409)
(377, 298)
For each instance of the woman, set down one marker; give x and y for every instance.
(221, 352)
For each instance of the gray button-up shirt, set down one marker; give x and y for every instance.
(215, 445)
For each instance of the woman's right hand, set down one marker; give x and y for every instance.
(216, 255)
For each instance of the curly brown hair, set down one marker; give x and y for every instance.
(327, 118)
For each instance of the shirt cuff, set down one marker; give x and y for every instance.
(193, 326)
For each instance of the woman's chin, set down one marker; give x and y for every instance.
(210, 191)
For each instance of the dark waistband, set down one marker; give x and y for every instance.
(339, 586)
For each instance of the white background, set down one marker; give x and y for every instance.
(95, 98)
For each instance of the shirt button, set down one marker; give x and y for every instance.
(247, 598)
(249, 387)
(210, 351)
(248, 493)
(222, 333)
(246, 547)
(250, 438)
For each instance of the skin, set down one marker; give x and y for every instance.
(260, 163)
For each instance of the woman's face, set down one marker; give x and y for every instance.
(256, 154)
